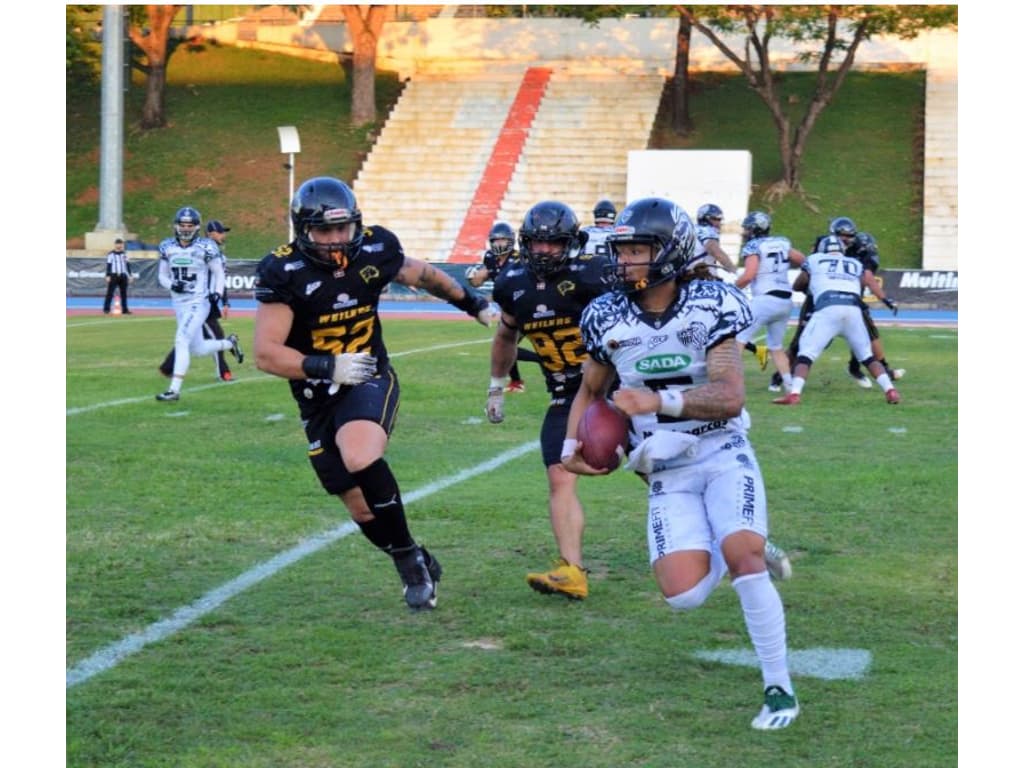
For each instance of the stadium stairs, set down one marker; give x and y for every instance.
(461, 150)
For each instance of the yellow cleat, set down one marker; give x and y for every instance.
(564, 579)
(762, 355)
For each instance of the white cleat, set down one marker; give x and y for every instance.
(779, 711)
(777, 560)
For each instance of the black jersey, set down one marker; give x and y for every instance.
(335, 310)
(548, 313)
(865, 253)
(494, 264)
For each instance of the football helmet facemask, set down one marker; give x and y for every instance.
(842, 225)
(322, 202)
(501, 230)
(549, 222)
(664, 226)
(604, 212)
(186, 224)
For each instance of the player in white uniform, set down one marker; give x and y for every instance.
(669, 335)
(192, 269)
(766, 260)
(835, 282)
(604, 220)
(707, 249)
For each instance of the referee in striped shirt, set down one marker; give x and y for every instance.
(119, 272)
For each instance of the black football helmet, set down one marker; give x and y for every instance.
(604, 212)
(664, 226)
(186, 224)
(322, 201)
(757, 224)
(707, 212)
(863, 244)
(842, 225)
(501, 230)
(548, 222)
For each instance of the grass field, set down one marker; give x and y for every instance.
(319, 663)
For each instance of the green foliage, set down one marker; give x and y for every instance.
(83, 53)
(320, 664)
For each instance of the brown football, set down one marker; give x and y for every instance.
(603, 430)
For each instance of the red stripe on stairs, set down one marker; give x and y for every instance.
(497, 174)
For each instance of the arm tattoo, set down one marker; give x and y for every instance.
(722, 397)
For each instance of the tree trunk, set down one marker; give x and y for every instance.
(364, 26)
(153, 115)
(682, 123)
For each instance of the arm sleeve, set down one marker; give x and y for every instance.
(109, 265)
(163, 274)
(216, 267)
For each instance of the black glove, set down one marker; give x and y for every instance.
(179, 286)
(891, 305)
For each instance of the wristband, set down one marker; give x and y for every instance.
(569, 447)
(671, 402)
(499, 382)
(471, 303)
(318, 366)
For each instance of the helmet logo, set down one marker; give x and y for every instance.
(337, 214)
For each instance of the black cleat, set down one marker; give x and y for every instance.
(420, 573)
(236, 349)
(168, 396)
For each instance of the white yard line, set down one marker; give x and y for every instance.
(111, 655)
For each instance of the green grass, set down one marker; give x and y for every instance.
(322, 665)
(219, 151)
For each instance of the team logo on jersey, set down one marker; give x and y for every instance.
(344, 300)
(663, 363)
(566, 287)
(294, 266)
(517, 294)
(694, 336)
(369, 273)
(310, 287)
(655, 341)
(372, 247)
(543, 311)
(614, 344)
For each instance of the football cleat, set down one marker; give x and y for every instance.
(898, 373)
(227, 376)
(168, 396)
(236, 349)
(780, 710)
(762, 355)
(774, 387)
(516, 387)
(862, 381)
(777, 560)
(564, 579)
(419, 573)
(892, 396)
(791, 399)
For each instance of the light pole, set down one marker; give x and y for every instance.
(288, 135)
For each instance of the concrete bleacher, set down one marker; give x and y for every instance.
(437, 141)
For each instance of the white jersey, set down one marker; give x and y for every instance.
(772, 266)
(199, 265)
(705, 232)
(669, 354)
(834, 279)
(596, 237)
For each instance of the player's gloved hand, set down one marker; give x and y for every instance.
(179, 286)
(891, 305)
(354, 368)
(214, 299)
(471, 271)
(496, 405)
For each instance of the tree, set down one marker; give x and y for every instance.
(82, 51)
(364, 26)
(153, 41)
(839, 29)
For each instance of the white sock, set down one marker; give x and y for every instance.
(766, 625)
(884, 382)
(176, 383)
(787, 381)
(798, 385)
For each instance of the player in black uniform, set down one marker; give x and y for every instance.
(317, 325)
(542, 298)
(500, 253)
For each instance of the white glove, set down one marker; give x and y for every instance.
(486, 316)
(353, 368)
(471, 271)
(496, 405)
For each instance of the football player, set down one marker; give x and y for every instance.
(317, 326)
(604, 220)
(191, 268)
(707, 249)
(835, 282)
(541, 298)
(766, 260)
(500, 252)
(863, 247)
(668, 334)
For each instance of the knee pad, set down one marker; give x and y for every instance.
(691, 599)
(805, 360)
(867, 360)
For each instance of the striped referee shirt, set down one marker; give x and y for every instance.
(117, 263)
